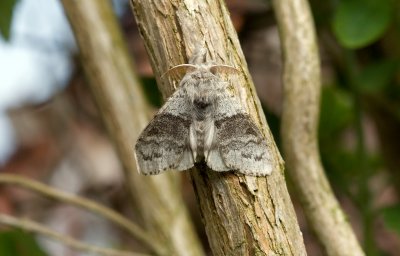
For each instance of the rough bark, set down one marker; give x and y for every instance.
(301, 79)
(242, 215)
(121, 103)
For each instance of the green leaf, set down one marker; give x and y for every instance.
(391, 218)
(19, 243)
(357, 23)
(6, 13)
(377, 76)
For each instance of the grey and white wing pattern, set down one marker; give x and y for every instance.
(163, 145)
(238, 143)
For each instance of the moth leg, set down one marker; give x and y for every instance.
(208, 140)
(193, 141)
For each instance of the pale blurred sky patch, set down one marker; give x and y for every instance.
(36, 62)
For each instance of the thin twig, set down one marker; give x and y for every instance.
(300, 115)
(122, 105)
(87, 204)
(69, 241)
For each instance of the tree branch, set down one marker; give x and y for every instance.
(42, 230)
(301, 79)
(87, 204)
(121, 102)
(243, 215)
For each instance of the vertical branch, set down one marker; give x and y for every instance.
(121, 103)
(242, 215)
(299, 128)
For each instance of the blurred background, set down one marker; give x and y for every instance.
(50, 128)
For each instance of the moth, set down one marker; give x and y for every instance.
(203, 121)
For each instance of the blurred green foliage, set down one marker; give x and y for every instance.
(357, 23)
(150, 89)
(6, 13)
(377, 76)
(336, 111)
(361, 40)
(391, 218)
(18, 243)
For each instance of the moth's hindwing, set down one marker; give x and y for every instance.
(163, 143)
(239, 144)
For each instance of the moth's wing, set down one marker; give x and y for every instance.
(238, 143)
(163, 144)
